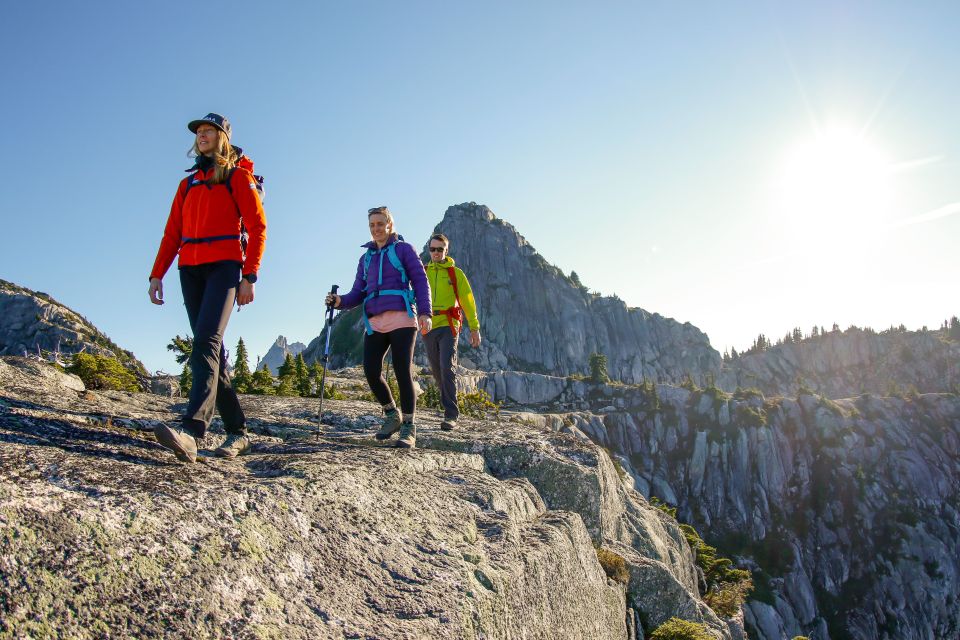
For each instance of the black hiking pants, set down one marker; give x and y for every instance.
(209, 292)
(401, 343)
(442, 354)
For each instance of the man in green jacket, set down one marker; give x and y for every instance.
(452, 301)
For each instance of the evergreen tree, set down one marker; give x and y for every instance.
(182, 347)
(242, 377)
(316, 373)
(575, 279)
(955, 328)
(287, 377)
(733, 354)
(288, 368)
(262, 381)
(186, 380)
(815, 332)
(598, 368)
(797, 335)
(301, 376)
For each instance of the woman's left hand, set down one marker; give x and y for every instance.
(245, 292)
(425, 324)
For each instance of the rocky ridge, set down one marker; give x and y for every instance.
(842, 364)
(34, 323)
(846, 510)
(485, 532)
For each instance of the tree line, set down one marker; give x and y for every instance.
(294, 377)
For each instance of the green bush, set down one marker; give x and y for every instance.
(477, 404)
(103, 372)
(430, 398)
(727, 597)
(677, 629)
(614, 565)
(330, 392)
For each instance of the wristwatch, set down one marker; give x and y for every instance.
(250, 277)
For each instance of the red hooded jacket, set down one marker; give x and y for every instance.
(211, 211)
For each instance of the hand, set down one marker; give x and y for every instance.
(156, 291)
(475, 338)
(245, 292)
(332, 300)
(425, 325)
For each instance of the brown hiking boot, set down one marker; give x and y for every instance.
(390, 426)
(448, 425)
(235, 445)
(178, 440)
(408, 436)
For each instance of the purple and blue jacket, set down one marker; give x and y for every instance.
(392, 279)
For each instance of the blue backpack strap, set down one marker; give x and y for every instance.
(395, 261)
(407, 294)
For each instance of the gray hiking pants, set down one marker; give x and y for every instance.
(442, 354)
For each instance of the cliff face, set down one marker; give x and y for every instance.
(534, 318)
(486, 532)
(846, 510)
(32, 322)
(842, 364)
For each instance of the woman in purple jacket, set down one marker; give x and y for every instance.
(392, 313)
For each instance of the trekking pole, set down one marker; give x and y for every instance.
(328, 326)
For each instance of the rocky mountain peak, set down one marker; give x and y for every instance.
(278, 351)
(536, 318)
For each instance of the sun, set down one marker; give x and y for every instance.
(836, 182)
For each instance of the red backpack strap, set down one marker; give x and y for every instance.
(455, 315)
(452, 272)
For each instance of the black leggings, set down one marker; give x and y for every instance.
(401, 343)
(209, 291)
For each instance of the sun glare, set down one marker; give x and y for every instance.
(837, 182)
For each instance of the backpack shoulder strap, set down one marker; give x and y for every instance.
(230, 179)
(191, 180)
(395, 261)
(452, 272)
(367, 258)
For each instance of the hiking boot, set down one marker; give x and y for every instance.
(235, 445)
(390, 426)
(408, 436)
(448, 425)
(178, 440)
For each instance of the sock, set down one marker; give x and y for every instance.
(408, 417)
(389, 409)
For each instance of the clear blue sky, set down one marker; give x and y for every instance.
(645, 145)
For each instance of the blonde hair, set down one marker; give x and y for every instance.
(224, 158)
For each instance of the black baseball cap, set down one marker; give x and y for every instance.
(215, 119)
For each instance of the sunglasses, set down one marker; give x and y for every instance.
(437, 249)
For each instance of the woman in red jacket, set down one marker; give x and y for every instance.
(212, 209)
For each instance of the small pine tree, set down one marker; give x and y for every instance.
(301, 376)
(186, 380)
(598, 368)
(316, 374)
(181, 347)
(288, 368)
(262, 381)
(242, 376)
